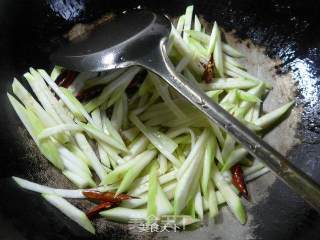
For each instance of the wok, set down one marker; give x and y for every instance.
(289, 34)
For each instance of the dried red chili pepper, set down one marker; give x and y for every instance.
(89, 93)
(66, 78)
(238, 180)
(106, 196)
(95, 210)
(208, 73)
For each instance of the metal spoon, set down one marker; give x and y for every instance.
(139, 38)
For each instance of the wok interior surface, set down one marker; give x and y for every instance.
(288, 30)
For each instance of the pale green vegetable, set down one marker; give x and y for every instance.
(159, 141)
(208, 158)
(151, 143)
(187, 22)
(189, 178)
(212, 200)
(234, 157)
(138, 165)
(152, 194)
(217, 54)
(233, 201)
(71, 211)
(271, 117)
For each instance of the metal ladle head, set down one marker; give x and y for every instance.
(138, 38)
(124, 41)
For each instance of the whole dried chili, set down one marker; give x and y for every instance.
(238, 180)
(106, 199)
(89, 93)
(95, 210)
(66, 78)
(106, 196)
(208, 73)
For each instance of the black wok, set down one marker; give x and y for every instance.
(30, 30)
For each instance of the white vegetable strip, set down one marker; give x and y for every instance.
(103, 80)
(70, 104)
(180, 24)
(269, 118)
(229, 83)
(189, 177)
(197, 24)
(208, 158)
(142, 186)
(123, 79)
(70, 211)
(76, 179)
(43, 98)
(228, 194)
(187, 23)
(195, 152)
(96, 133)
(217, 54)
(213, 38)
(130, 134)
(65, 193)
(88, 151)
(160, 145)
(163, 91)
(61, 128)
(134, 171)
(26, 98)
(257, 174)
(198, 204)
(163, 164)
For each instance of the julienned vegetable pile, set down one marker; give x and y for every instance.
(138, 149)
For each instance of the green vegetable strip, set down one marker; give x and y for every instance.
(212, 200)
(235, 156)
(88, 151)
(228, 146)
(213, 38)
(197, 24)
(43, 98)
(152, 194)
(163, 165)
(71, 211)
(208, 158)
(154, 139)
(189, 177)
(187, 22)
(231, 83)
(233, 201)
(180, 24)
(257, 174)
(71, 102)
(271, 117)
(52, 131)
(198, 204)
(217, 54)
(163, 91)
(103, 80)
(132, 174)
(26, 98)
(123, 79)
(195, 152)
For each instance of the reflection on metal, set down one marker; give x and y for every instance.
(68, 9)
(308, 81)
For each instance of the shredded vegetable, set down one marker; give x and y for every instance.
(151, 143)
